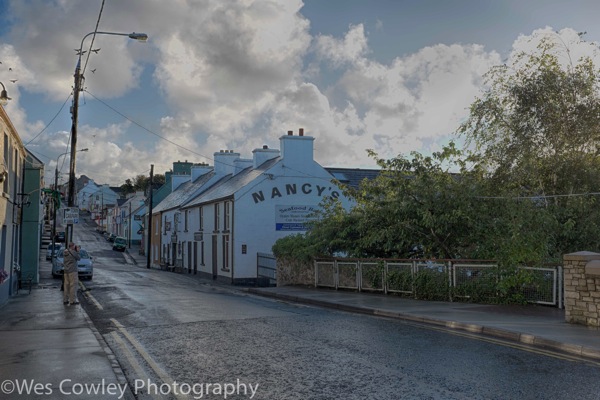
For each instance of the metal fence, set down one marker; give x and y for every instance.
(266, 269)
(475, 281)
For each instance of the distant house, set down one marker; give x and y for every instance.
(98, 200)
(131, 212)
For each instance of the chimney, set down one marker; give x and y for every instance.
(260, 156)
(200, 169)
(178, 180)
(241, 164)
(297, 150)
(225, 162)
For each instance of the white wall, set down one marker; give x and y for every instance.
(257, 211)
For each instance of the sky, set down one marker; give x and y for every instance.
(393, 76)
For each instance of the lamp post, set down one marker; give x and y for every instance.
(142, 37)
(55, 204)
(4, 96)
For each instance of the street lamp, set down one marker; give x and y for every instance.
(4, 96)
(56, 203)
(142, 37)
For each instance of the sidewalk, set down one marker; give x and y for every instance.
(45, 342)
(538, 326)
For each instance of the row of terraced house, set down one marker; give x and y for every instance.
(215, 220)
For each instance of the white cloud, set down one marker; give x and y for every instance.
(343, 51)
(237, 75)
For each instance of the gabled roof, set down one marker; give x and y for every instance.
(230, 184)
(183, 193)
(353, 176)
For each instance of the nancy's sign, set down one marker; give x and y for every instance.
(293, 189)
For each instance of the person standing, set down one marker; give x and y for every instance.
(70, 273)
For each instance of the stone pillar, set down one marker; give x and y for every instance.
(582, 288)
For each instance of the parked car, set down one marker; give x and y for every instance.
(120, 243)
(85, 266)
(59, 237)
(52, 251)
(111, 237)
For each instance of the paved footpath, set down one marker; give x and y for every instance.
(56, 347)
(538, 326)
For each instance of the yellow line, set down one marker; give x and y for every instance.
(132, 361)
(89, 296)
(140, 349)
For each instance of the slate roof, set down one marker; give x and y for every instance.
(230, 184)
(183, 193)
(352, 176)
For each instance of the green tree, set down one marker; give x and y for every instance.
(140, 183)
(127, 187)
(538, 127)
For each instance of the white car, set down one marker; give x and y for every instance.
(85, 266)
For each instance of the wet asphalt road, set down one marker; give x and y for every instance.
(176, 329)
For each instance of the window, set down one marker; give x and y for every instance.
(185, 221)
(217, 217)
(226, 252)
(156, 231)
(226, 215)
(201, 217)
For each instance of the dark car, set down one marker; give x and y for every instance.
(120, 243)
(59, 237)
(111, 238)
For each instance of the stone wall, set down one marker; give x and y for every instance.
(582, 288)
(294, 272)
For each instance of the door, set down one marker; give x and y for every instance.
(189, 254)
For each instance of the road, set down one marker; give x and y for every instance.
(185, 335)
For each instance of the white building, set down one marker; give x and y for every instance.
(241, 208)
(11, 202)
(98, 200)
(132, 210)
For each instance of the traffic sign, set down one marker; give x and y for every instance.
(71, 215)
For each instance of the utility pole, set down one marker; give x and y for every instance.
(130, 221)
(55, 204)
(75, 114)
(149, 241)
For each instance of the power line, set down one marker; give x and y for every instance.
(148, 130)
(52, 120)
(93, 38)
